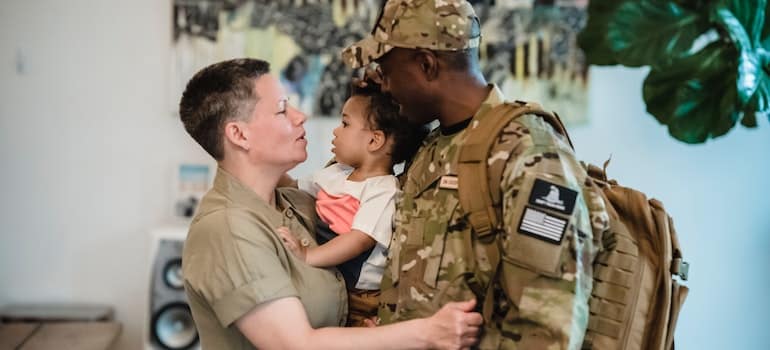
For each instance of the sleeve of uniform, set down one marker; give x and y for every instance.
(375, 212)
(238, 267)
(546, 258)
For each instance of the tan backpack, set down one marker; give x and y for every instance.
(635, 300)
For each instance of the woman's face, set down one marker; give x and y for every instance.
(276, 133)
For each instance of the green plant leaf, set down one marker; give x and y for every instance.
(749, 120)
(766, 27)
(695, 95)
(749, 14)
(593, 38)
(698, 95)
(760, 101)
(653, 32)
(693, 5)
(743, 24)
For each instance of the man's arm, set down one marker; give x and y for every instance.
(548, 246)
(283, 324)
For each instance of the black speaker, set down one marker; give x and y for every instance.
(170, 325)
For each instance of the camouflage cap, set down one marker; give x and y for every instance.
(442, 25)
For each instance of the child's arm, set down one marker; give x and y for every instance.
(338, 250)
(287, 181)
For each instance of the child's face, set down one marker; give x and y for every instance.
(353, 135)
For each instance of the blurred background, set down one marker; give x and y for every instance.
(90, 148)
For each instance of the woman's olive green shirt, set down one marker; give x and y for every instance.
(234, 260)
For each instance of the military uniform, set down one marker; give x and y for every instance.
(547, 248)
(552, 215)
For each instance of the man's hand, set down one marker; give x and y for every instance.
(455, 326)
(292, 243)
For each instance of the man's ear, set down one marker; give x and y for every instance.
(428, 63)
(377, 141)
(234, 133)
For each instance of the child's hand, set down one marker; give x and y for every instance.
(292, 243)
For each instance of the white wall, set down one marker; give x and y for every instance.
(87, 142)
(719, 198)
(86, 145)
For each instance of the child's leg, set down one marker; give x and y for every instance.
(362, 304)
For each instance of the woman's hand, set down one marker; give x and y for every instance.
(454, 326)
(292, 243)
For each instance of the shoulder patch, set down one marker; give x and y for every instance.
(553, 197)
(543, 226)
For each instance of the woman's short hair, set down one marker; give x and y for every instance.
(218, 94)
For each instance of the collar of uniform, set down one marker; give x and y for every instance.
(236, 191)
(494, 98)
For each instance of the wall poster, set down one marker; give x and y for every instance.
(529, 47)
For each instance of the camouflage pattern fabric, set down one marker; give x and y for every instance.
(443, 25)
(544, 281)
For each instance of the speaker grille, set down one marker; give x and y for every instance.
(172, 274)
(173, 327)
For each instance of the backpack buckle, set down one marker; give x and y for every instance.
(680, 268)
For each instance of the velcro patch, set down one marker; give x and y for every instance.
(448, 181)
(542, 225)
(552, 196)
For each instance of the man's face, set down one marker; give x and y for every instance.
(400, 76)
(275, 132)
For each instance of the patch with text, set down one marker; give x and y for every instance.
(552, 196)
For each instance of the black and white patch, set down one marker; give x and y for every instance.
(542, 225)
(552, 196)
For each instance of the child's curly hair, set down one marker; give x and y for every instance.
(383, 114)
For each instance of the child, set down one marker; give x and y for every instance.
(355, 197)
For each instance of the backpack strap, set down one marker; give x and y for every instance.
(479, 185)
(472, 169)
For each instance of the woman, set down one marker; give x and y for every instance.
(245, 289)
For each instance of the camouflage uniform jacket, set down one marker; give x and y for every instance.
(552, 218)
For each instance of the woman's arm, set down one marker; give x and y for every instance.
(283, 324)
(332, 253)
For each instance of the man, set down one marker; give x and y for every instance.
(425, 54)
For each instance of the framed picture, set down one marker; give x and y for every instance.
(191, 181)
(301, 39)
(528, 47)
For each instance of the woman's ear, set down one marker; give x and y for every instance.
(428, 63)
(377, 141)
(234, 133)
